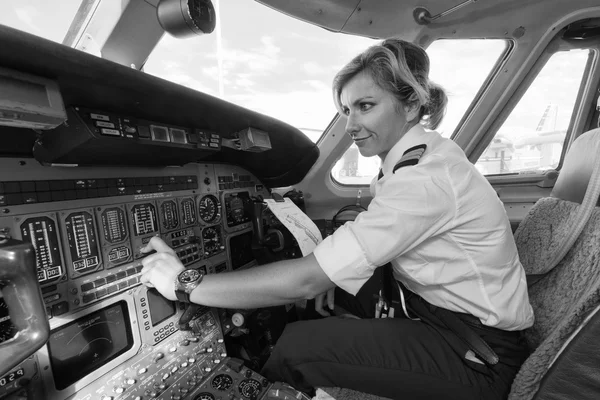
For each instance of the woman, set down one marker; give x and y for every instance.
(435, 225)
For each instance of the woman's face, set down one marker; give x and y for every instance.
(374, 120)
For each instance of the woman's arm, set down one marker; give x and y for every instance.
(273, 284)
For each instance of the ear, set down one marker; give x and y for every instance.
(412, 111)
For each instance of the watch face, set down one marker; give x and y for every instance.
(188, 276)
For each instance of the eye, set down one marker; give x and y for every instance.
(345, 111)
(365, 106)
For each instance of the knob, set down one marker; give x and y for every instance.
(106, 398)
(173, 349)
(184, 342)
(166, 376)
(162, 386)
(219, 340)
(223, 355)
(175, 397)
(194, 339)
(238, 319)
(174, 369)
(183, 390)
(248, 373)
(191, 360)
(209, 350)
(184, 364)
(158, 357)
(207, 369)
(130, 381)
(154, 394)
(207, 181)
(142, 370)
(119, 389)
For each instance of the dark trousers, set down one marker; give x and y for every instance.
(397, 358)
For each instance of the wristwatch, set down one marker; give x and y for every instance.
(186, 282)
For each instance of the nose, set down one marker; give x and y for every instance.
(352, 125)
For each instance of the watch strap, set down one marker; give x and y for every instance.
(182, 296)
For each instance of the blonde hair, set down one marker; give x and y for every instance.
(402, 69)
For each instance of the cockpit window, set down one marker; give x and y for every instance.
(262, 60)
(48, 19)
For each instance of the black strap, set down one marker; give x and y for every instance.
(437, 316)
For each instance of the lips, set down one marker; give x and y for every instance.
(359, 140)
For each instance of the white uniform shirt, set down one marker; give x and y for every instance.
(445, 232)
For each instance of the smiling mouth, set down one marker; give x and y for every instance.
(358, 140)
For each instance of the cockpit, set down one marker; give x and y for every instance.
(192, 121)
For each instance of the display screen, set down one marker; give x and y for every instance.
(160, 307)
(241, 250)
(88, 343)
(25, 92)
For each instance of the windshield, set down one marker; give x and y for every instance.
(48, 19)
(262, 60)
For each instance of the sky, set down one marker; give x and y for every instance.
(282, 67)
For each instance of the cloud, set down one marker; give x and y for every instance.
(313, 68)
(27, 14)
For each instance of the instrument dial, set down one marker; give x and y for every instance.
(7, 329)
(249, 388)
(204, 396)
(211, 240)
(209, 209)
(222, 382)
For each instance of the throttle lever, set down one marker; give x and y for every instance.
(23, 297)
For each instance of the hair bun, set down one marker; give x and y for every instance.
(435, 109)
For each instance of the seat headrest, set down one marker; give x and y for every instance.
(577, 168)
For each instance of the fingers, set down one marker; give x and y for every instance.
(319, 305)
(145, 280)
(156, 243)
(330, 298)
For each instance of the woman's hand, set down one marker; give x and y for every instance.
(161, 269)
(325, 298)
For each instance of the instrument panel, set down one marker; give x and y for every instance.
(88, 228)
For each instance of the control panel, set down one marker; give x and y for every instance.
(111, 337)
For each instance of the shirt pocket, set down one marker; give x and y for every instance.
(416, 268)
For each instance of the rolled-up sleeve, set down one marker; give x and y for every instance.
(410, 206)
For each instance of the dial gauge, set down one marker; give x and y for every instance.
(204, 396)
(249, 388)
(222, 382)
(211, 240)
(209, 209)
(7, 329)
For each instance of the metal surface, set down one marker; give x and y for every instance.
(22, 294)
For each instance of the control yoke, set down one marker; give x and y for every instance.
(22, 295)
(273, 238)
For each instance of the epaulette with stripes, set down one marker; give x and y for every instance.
(411, 156)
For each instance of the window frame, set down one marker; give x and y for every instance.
(545, 178)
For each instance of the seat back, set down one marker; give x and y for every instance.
(565, 295)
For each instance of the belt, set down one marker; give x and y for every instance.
(468, 339)
(461, 326)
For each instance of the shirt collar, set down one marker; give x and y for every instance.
(415, 136)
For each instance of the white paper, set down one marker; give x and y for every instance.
(303, 228)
